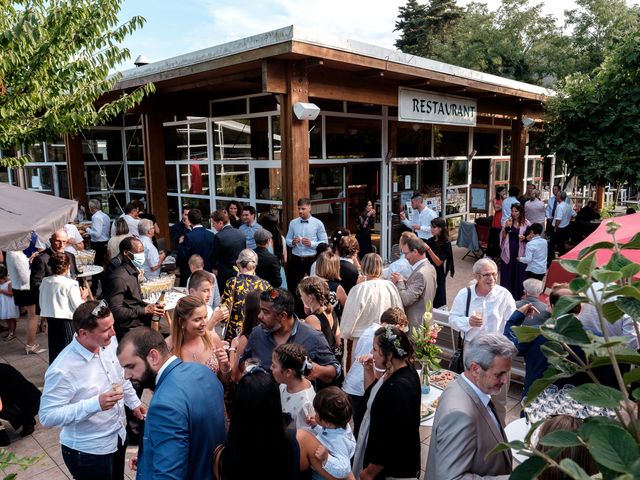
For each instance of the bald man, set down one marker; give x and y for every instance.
(40, 266)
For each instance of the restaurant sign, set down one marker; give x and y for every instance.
(430, 107)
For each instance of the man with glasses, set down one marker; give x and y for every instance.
(40, 266)
(420, 287)
(85, 393)
(483, 308)
(186, 421)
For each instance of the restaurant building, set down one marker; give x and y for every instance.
(233, 122)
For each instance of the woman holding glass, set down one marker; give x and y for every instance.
(440, 254)
(513, 244)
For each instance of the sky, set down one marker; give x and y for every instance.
(174, 28)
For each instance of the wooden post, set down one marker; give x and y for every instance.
(518, 145)
(295, 143)
(75, 169)
(154, 168)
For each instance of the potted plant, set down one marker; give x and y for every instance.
(427, 353)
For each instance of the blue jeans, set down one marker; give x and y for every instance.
(88, 466)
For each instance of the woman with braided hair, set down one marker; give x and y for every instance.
(389, 437)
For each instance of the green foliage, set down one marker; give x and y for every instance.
(55, 58)
(613, 443)
(9, 460)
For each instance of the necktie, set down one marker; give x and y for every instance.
(492, 407)
(553, 210)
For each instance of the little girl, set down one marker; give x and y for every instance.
(333, 412)
(289, 366)
(8, 309)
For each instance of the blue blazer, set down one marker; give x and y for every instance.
(184, 424)
(200, 241)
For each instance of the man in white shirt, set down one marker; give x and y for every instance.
(130, 216)
(420, 218)
(75, 241)
(85, 393)
(561, 222)
(99, 233)
(152, 258)
(490, 306)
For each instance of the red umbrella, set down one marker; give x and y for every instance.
(629, 226)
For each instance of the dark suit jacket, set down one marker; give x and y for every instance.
(463, 434)
(348, 275)
(40, 268)
(197, 241)
(227, 245)
(268, 267)
(184, 424)
(125, 300)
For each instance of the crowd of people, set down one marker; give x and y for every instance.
(262, 374)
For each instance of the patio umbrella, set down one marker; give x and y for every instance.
(23, 211)
(629, 226)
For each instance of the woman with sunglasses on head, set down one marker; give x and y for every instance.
(389, 436)
(440, 254)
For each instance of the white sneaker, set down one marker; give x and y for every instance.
(35, 348)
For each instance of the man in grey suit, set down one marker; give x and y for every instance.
(420, 287)
(466, 427)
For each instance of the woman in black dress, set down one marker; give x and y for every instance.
(440, 255)
(365, 221)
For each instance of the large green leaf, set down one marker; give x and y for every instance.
(630, 270)
(579, 284)
(606, 276)
(630, 306)
(617, 262)
(611, 312)
(573, 470)
(636, 394)
(594, 247)
(504, 446)
(631, 376)
(566, 304)
(526, 333)
(613, 447)
(623, 291)
(568, 329)
(597, 395)
(633, 244)
(530, 468)
(587, 264)
(560, 438)
(570, 266)
(623, 355)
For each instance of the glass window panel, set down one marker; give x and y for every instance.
(559, 170)
(506, 142)
(431, 183)
(315, 138)
(63, 181)
(194, 179)
(172, 178)
(232, 181)
(40, 178)
(451, 141)
(456, 200)
(136, 177)
(263, 208)
(175, 209)
(56, 151)
(410, 139)
(331, 214)
(111, 204)
(457, 172)
(241, 139)
(186, 142)
(229, 107)
(276, 140)
(268, 184)
(366, 108)
(102, 145)
(4, 175)
(328, 105)
(100, 178)
(265, 103)
(353, 137)
(502, 171)
(35, 152)
(405, 179)
(203, 204)
(480, 170)
(533, 147)
(486, 142)
(326, 182)
(135, 150)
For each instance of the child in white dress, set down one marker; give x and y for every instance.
(289, 366)
(8, 309)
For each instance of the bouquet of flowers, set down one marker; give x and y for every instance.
(424, 342)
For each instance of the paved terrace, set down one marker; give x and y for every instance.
(45, 443)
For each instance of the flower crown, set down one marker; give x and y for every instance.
(394, 340)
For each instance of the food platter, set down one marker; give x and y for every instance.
(442, 378)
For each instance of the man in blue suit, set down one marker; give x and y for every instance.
(185, 420)
(198, 241)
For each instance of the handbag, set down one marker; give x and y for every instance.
(457, 359)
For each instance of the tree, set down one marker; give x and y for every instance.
(55, 58)
(423, 26)
(593, 123)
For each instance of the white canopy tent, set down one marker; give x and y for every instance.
(24, 211)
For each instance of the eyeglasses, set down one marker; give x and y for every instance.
(99, 308)
(487, 275)
(406, 252)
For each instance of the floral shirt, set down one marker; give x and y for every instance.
(235, 293)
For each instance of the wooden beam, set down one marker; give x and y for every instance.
(364, 74)
(251, 76)
(518, 144)
(274, 76)
(154, 165)
(75, 169)
(295, 142)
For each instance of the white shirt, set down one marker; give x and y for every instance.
(422, 218)
(72, 385)
(74, 234)
(484, 398)
(59, 297)
(534, 211)
(496, 307)
(564, 213)
(18, 269)
(132, 223)
(506, 209)
(535, 255)
(311, 228)
(99, 230)
(354, 381)
(151, 257)
(164, 367)
(402, 266)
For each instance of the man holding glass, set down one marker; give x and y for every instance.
(85, 393)
(483, 308)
